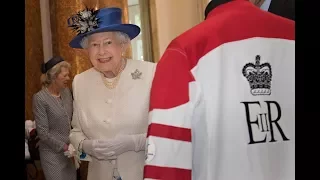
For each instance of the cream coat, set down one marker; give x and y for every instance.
(102, 113)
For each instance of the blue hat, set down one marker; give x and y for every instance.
(89, 21)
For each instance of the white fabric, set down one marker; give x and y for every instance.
(29, 126)
(26, 151)
(221, 151)
(139, 142)
(160, 116)
(177, 157)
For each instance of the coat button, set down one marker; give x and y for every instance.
(109, 101)
(108, 120)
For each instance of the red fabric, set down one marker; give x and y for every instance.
(174, 74)
(159, 130)
(33, 133)
(164, 173)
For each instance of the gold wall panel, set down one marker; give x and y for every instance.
(33, 53)
(154, 30)
(60, 11)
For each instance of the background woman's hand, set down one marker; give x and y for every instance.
(65, 148)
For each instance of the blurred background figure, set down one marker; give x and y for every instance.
(52, 109)
(26, 152)
(29, 127)
(31, 149)
(32, 140)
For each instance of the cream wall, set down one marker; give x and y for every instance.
(173, 18)
(46, 29)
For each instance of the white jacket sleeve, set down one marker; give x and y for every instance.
(76, 135)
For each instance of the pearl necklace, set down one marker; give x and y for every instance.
(112, 84)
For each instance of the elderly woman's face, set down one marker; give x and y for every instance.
(105, 51)
(62, 78)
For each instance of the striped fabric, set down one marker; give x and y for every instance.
(170, 121)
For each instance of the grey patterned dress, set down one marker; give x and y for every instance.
(53, 115)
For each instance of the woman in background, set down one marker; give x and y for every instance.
(52, 109)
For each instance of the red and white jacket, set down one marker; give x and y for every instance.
(223, 98)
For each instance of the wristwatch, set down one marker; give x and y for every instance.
(82, 154)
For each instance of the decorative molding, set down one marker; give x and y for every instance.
(201, 6)
(146, 31)
(154, 30)
(46, 29)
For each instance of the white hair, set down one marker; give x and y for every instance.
(122, 37)
(48, 77)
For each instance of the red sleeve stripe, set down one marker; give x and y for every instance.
(166, 173)
(170, 132)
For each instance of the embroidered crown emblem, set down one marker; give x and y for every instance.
(259, 77)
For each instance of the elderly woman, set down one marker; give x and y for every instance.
(52, 110)
(111, 100)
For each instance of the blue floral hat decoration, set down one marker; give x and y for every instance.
(90, 21)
